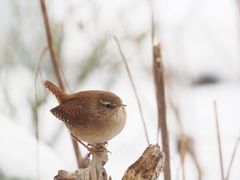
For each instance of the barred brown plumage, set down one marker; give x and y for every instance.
(93, 116)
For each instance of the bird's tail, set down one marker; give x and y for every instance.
(57, 92)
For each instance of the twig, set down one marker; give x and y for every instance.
(219, 140)
(133, 86)
(56, 68)
(232, 158)
(50, 44)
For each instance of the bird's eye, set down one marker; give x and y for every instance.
(107, 104)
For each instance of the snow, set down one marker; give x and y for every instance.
(197, 37)
(19, 151)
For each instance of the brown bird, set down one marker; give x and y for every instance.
(92, 116)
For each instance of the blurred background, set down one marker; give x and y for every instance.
(200, 44)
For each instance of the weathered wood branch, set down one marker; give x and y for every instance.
(148, 166)
(95, 169)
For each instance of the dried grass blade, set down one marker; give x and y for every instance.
(219, 140)
(134, 87)
(232, 158)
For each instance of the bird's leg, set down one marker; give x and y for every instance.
(99, 147)
(86, 146)
(92, 148)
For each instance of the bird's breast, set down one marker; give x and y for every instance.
(102, 129)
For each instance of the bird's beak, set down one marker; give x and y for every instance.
(121, 105)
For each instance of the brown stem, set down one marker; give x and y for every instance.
(232, 158)
(219, 140)
(161, 105)
(56, 68)
(185, 143)
(50, 44)
(160, 95)
(134, 88)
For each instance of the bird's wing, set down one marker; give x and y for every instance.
(71, 112)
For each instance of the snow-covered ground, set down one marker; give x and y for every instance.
(197, 38)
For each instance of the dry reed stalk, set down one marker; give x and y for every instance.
(161, 106)
(195, 160)
(185, 144)
(158, 72)
(182, 148)
(134, 87)
(219, 140)
(185, 147)
(152, 161)
(232, 158)
(57, 70)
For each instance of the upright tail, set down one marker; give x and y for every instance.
(57, 92)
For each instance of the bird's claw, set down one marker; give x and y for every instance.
(96, 148)
(93, 148)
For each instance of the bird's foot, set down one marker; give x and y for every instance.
(78, 140)
(93, 148)
(96, 148)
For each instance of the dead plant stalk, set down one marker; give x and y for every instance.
(232, 158)
(219, 140)
(56, 67)
(134, 88)
(161, 106)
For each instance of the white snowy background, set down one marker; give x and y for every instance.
(198, 39)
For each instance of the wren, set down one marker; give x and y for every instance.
(92, 116)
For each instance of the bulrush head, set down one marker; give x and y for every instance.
(93, 116)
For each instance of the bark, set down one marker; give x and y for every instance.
(148, 166)
(95, 169)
